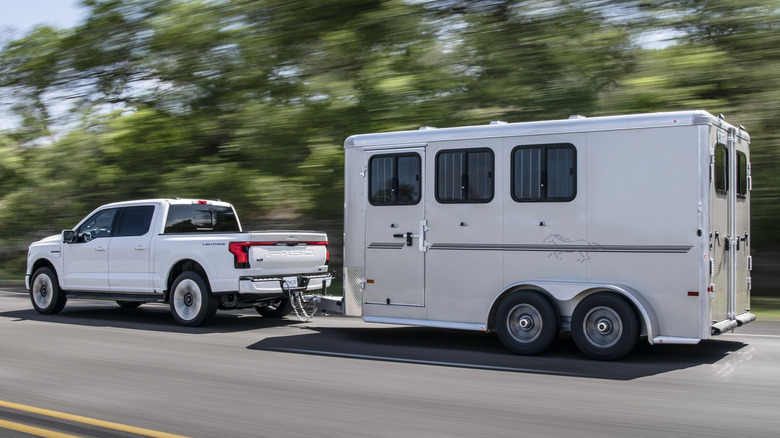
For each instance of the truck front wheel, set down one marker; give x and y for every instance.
(526, 323)
(604, 326)
(191, 302)
(45, 292)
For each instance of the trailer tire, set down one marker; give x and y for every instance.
(604, 326)
(277, 309)
(191, 302)
(45, 293)
(526, 323)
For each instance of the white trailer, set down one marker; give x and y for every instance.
(612, 228)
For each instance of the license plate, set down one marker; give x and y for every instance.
(291, 282)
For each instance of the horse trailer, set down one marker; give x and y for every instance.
(612, 228)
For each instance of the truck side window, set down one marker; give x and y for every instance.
(464, 176)
(544, 173)
(99, 225)
(199, 218)
(134, 221)
(721, 168)
(394, 179)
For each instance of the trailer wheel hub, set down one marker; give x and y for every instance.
(526, 322)
(604, 326)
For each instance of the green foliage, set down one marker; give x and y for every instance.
(250, 101)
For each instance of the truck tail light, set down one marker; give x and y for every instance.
(241, 252)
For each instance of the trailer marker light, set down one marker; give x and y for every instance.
(368, 280)
(693, 294)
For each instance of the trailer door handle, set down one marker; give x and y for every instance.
(409, 236)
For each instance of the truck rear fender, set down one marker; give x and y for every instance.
(565, 296)
(185, 265)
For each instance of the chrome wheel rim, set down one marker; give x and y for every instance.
(602, 327)
(525, 323)
(187, 300)
(42, 291)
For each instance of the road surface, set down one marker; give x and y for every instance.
(97, 370)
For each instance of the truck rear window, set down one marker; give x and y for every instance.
(200, 218)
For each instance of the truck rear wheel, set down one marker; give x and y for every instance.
(526, 323)
(604, 326)
(277, 309)
(191, 302)
(45, 292)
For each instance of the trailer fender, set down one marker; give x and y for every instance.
(574, 292)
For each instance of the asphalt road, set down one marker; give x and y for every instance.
(99, 370)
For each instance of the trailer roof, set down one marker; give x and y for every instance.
(564, 126)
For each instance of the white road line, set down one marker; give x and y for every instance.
(748, 335)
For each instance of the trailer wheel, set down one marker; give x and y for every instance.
(45, 292)
(604, 326)
(526, 323)
(191, 302)
(277, 309)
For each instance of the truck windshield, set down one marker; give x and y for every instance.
(200, 218)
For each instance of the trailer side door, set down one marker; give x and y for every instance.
(395, 228)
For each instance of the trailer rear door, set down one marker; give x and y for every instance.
(730, 228)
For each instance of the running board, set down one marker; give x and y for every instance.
(146, 298)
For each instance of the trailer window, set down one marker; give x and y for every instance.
(394, 179)
(464, 176)
(721, 169)
(544, 173)
(742, 174)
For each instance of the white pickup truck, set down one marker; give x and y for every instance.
(189, 253)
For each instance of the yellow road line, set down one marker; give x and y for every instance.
(37, 431)
(87, 420)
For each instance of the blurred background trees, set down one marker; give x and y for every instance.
(250, 101)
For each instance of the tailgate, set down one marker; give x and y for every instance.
(288, 252)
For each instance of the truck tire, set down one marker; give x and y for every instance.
(604, 326)
(191, 302)
(526, 323)
(277, 309)
(45, 292)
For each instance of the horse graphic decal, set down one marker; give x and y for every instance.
(561, 245)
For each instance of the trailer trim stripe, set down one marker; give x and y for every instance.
(386, 245)
(665, 249)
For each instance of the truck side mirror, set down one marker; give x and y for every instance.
(68, 236)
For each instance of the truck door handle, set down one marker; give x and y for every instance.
(100, 248)
(140, 247)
